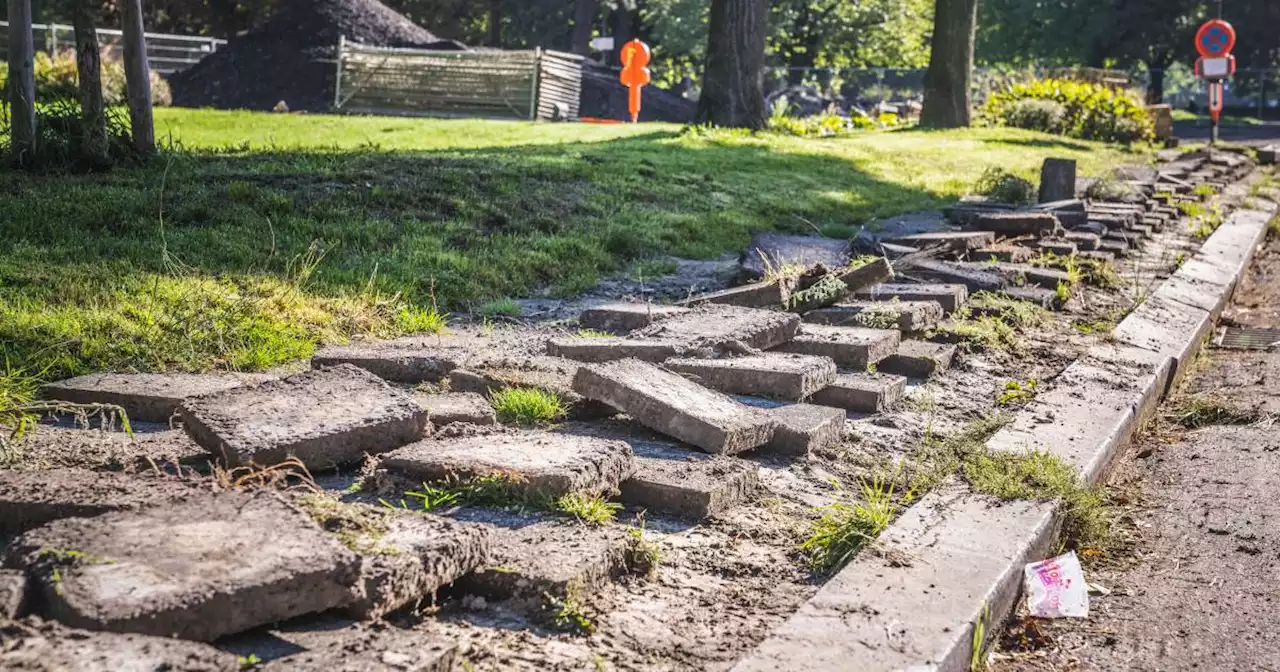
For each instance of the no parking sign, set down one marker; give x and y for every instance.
(1215, 40)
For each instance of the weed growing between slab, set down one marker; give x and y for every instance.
(291, 473)
(1040, 476)
(590, 509)
(593, 333)
(503, 491)
(61, 558)
(642, 555)
(359, 527)
(844, 529)
(568, 613)
(991, 321)
(527, 406)
(1018, 394)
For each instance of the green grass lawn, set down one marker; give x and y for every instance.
(258, 235)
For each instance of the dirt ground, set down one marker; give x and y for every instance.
(1198, 529)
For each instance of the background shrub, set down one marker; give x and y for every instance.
(56, 79)
(1004, 187)
(1090, 111)
(1037, 115)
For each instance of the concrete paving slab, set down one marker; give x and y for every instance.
(446, 409)
(548, 463)
(955, 241)
(198, 569)
(13, 594)
(29, 499)
(919, 359)
(805, 428)
(776, 375)
(1084, 240)
(328, 643)
(951, 297)
(549, 374)
(975, 277)
(777, 251)
(862, 392)
(678, 482)
(712, 326)
(1166, 327)
(324, 418)
(850, 347)
(1018, 223)
(764, 294)
(621, 318)
(612, 349)
(401, 363)
(146, 397)
(671, 404)
(1006, 253)
(906, 316)
(866, 275)
(41, 646)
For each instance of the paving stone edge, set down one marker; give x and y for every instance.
(953, 561)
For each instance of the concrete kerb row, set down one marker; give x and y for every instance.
(955, 559)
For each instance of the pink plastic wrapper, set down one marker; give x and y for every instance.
(1056, 588)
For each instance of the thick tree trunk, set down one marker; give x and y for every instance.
(1155, 90)
(495, 23)
(137, 77)
(946, 84)
(622, 21)
(93, 144)
(22, 83)
(584, 18)
(733, 83)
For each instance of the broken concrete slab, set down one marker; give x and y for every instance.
(675, 481)
(773, 374)
(358, 648)
(29, 499)
(949, 296)
(1084, 240)
(866, 275)
(1006, 253)
(553, 375)
(671, 404)
(323, 417)
(621, 318)
(771, 252)
(446, 409)
(534, 557)
(47, 447)
(1118, 247)
(1019, 275)
(919, 359)
(145, 397)
(13, 594)
(717, 325)
(805, 428)
(1041, 296)
(44, 646)
(404, 362)
(954, 241)
(1025, 223)
(612, 349)
(862, 392)
(850, 347)
(534, 462)
(197, 569)
(764, 294)
(972, 276)
(906, 316)
(1062, 248)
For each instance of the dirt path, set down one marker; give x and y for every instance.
(1191, 586)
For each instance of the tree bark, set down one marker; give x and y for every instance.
(22, 83)
(137, 76)
(584, 18)
(93, 143)
(733, 83)
(947, 102)
(495, 23)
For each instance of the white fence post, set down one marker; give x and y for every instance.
(337, 80)
(537, 73)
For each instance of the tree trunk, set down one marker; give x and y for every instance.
(584, 18)
(1155, 90)
(946, 84)
(621, 21)
(22, 83)
(495, 23)
(137, 77)
(93, 143)
(733, 83)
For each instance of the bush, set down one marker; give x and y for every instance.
(1089, 111)
(1004, 187)
(56, 80)
(1037, 115)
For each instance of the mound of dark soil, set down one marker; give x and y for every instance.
(290, 58)
(604, 97)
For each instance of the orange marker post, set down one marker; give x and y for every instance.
(635, 57)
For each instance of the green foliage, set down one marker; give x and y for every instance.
(505, 307)
(248, 662)
(1003, 187)
(593, 333)
(1091, 111)
(1041, 476)
(56, 79)
(825, 125)
(844, 529)
(643, 555)
(412, 320)
(569, 614)
(648, 269)
(527, 406)
(1037, 114)
(1018, 394)
(590, 509)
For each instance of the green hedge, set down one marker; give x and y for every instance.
(1077, 109)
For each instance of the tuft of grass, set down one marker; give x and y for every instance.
(1018, 394)
(593, 333)
(527, 406)
(1063, 291)
(501, 307)
(359, 527)
(1041, 476)
(1015, 312)
(982, 332)
(413, 320)
(936, 458)
(590, 509)
(1202, 410)
(569, 614)
(248, 662)
(642, 556)
(491, 490)
(844, 529)
(1102, 326)
(1204, 190)
(1000, 186)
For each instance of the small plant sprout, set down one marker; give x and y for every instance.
(643, 555)
(1018, 394)
(844, 529)
(527, 406)
(593, 333)
(590, 509)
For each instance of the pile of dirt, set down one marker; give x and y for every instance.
(604, 97)
(290, 58)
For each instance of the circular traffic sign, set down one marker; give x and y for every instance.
(1215, 39)
(634, 54)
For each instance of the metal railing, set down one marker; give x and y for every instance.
(166, 53)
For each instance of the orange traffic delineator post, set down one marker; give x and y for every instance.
(635, 57)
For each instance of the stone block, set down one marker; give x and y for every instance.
(862, 392)
(401, 363)
(674, 481)
(1084, 240)
(919, 359)
(773, 251)
(548, 463)
(328, 643)
(949, 296)
(1029, 223)
(975, 277)
(1006, 253)
(776, 375)
(716, 325)
(145, 397)
(850, 347)
(954, 241)
(866, 275)
(446, 409)
(1057, 180)
(44, 646)
(29, 499)
(620, 318)
(324, 418)
(763, 294)
(597, 350)
(907, 316)
(671, 404)
(805, 428)
(197, 569)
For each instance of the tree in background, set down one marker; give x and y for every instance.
(733, 82)
(947, 101)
